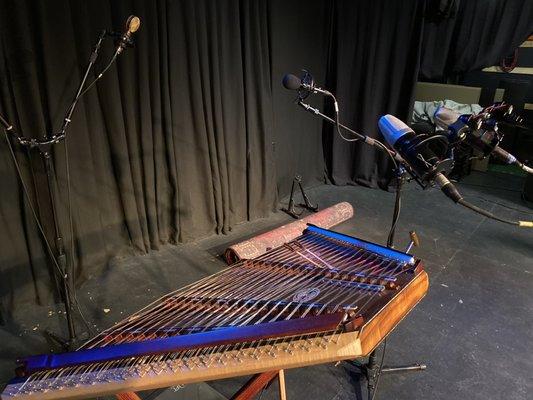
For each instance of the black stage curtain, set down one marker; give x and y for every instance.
(480, 34)
(190, 133)
(300, 39)
(173, 144)
(373, 68)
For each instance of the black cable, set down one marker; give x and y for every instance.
(359, 136)
(71, 234)
(486, 213)
(338, 124)
(99, 76)
(39, 225)
(504, 205)
(30, 204)
(451, 191)
(380, 369)
(70, 110)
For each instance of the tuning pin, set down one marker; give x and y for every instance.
(413, 242)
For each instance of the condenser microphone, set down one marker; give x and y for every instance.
(425, 160)
(292, 82)
(133, 24)
(427, 165)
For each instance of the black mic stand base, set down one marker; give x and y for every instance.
(404, 368)
(63, 343)
(370, 370)
(306, 204)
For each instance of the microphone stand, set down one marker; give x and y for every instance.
(44, 147)
(371, 369)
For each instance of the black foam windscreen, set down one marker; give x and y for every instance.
(291, 82)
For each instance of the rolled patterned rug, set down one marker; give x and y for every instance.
(260, 244)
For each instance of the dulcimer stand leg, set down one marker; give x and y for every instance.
(259, 382)
(249, 391)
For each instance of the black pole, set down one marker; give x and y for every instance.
(92, 59)
(371, 370)
(66, 273)
(45, 147)
(368, 140)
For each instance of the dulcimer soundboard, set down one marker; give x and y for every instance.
(320, 298)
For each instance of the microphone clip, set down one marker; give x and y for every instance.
(307, 85)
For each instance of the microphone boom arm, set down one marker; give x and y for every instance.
(51, 139)
(80, 91)
(368, 140)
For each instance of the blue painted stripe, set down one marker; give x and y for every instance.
(375, 248)
(173, 344)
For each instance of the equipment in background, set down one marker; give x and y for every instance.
(260, 244)
(306, 86)
(319, 298)
(480, 131)
(426, 165)
(305, 205)
(63, 267)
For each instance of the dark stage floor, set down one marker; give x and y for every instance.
(474, 329)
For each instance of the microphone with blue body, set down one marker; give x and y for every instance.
(427, 156)
(429, 163)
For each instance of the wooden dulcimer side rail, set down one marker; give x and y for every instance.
(226, 336)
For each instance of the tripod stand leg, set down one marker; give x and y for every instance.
(307, 204)
(404, 368)
(290, 208)
(371, 371)
(66, 276)
(281, 379)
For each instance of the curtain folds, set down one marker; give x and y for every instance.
(480, 34)
(174, 143)
(373, 75)
(191, 132)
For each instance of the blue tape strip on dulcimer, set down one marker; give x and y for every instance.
(375, 248)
